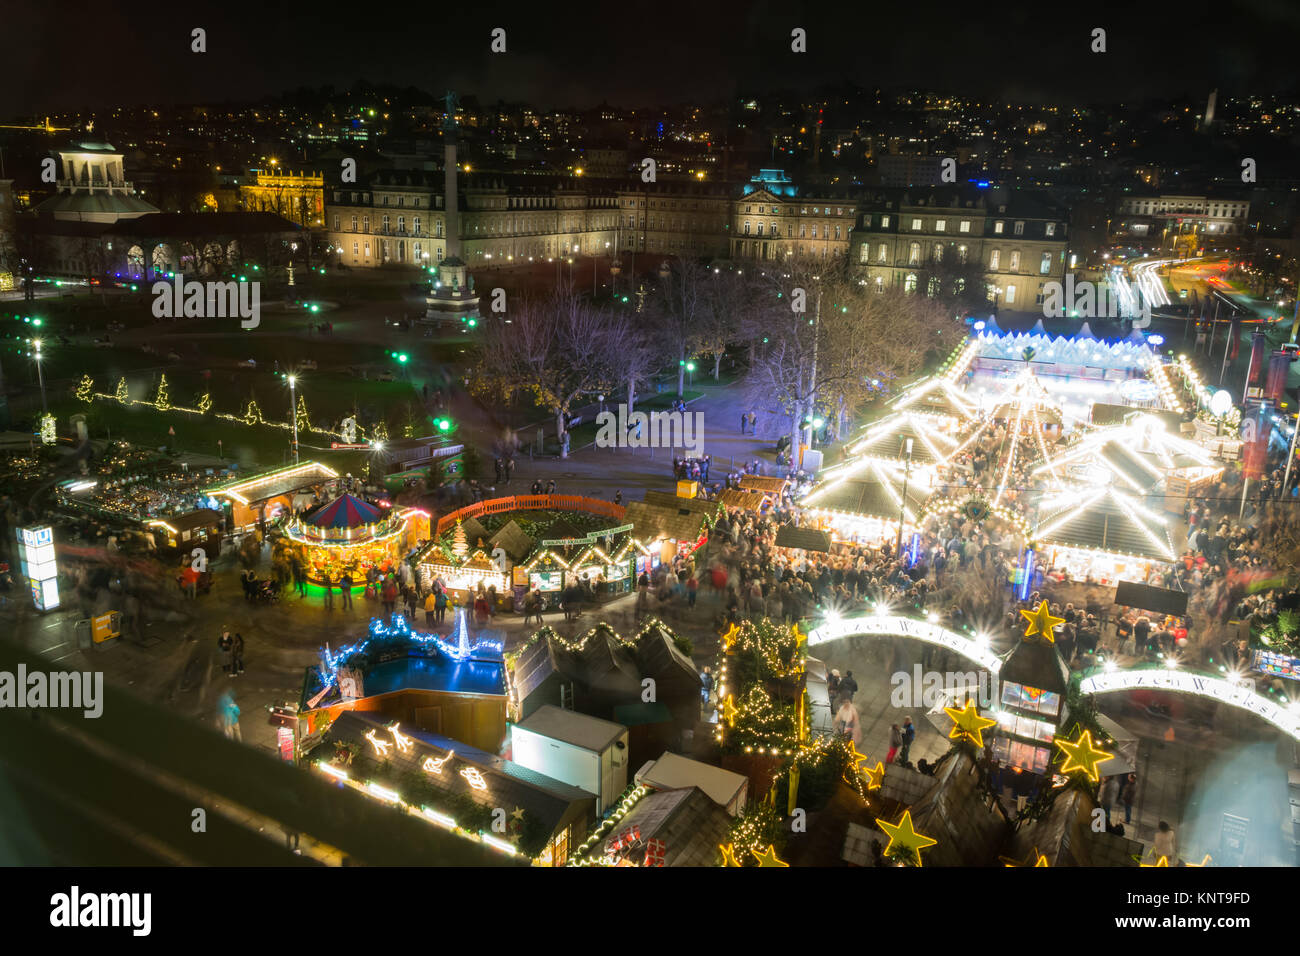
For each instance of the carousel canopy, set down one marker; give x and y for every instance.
(346, 511)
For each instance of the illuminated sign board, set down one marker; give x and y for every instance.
(36, 556)
(895, 625)
(1182, 682)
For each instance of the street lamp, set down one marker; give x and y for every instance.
(39, 377)
(902, 504)
(293, 414)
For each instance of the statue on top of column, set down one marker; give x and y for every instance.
(451, 103)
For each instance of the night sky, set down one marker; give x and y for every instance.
(92, 55)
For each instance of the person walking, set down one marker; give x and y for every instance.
(237, 655)
(345, 589)
(1109, 795)
(482, 612)
(228, 717)
(642, 593)
(430, 608)
(1165, 844)
(412, 602)
(848, 686)
(706, 684)
(1127, 796)
(328, 585)
(389, 595)
(833, 689)
(440, 604)
(847, 722)
(692, 590)
(895, 741)
(909, 735)
(225, 644)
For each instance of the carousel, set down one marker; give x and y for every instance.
(349, 535)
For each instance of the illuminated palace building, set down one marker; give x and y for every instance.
(926, 236)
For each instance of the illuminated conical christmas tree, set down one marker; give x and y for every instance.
(85, 388)
(380, 432)
(205, 403)
(459, 543)
(122, 395)
(162, 400)
(304, 422)
(254, 414)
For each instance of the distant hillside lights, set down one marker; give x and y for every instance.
(192, 299)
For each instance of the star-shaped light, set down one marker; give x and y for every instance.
(729, 638)
(728, 854)
(967, 722)
(1082, 755)
(855, 756)
(799, 636)
(1164, 861)
(1042, 622)
(768, 857)
(905, 835)
(729, 712)
(875, 775)
(517, 814)
(1038, 858)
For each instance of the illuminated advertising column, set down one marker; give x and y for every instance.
(36, 554)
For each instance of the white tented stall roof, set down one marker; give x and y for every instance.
(672, 771)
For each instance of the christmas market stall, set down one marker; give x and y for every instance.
(1098, 533)
(670, 526)
(522, 544)
(349, 535)
(253, 502)
(182, 533)
(456, 786)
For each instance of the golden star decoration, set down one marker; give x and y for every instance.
(729, 712)
(518, 814)
(799, 636)
(857, 758)
(1164, 861)
(728, 854)
(1042, 622)
(729, 638)
(1038, 858)
(905, 835)
(768, 857)
(967, 722)
(875, 775)
(1082, 755)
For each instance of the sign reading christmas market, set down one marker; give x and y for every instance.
(1225, 692)
(892, 624)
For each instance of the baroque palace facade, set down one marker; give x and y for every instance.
(397, 218)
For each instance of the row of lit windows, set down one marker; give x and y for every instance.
(804, 230)
(937, 253)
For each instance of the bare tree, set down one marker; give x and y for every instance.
(677, 308)
(729, 296)
(638, 356)
(559, 350)
(825, 344)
